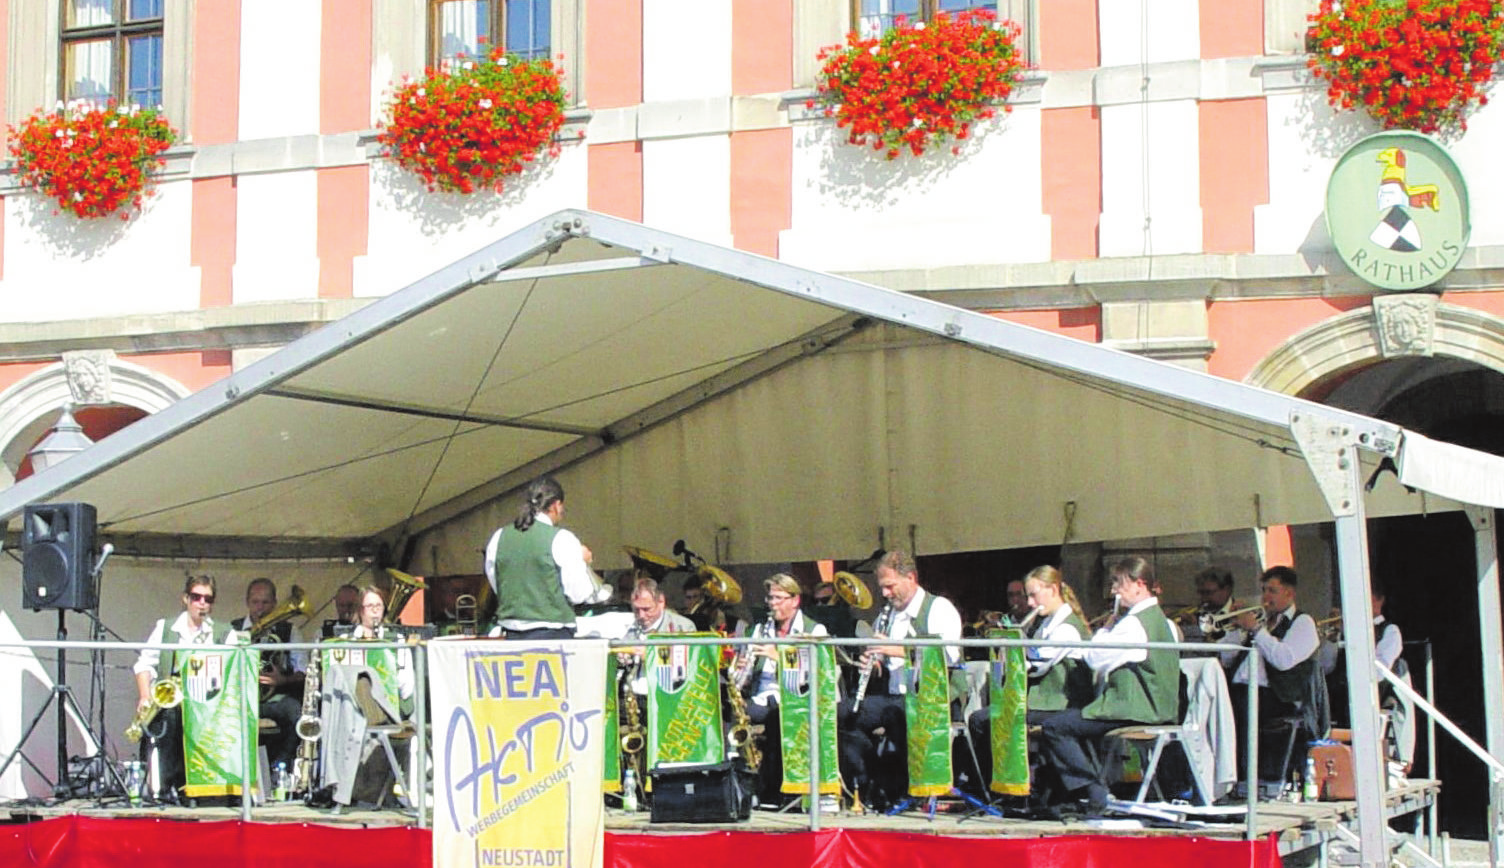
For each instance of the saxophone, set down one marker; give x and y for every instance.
(884, 622)
(310, 728)
(742, 666)
(632, 738)
(739, 736)
(165, 693)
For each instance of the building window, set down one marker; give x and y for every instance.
(472, 27)
(112, 50)
(873, 17)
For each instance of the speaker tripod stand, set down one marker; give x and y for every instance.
(62, 695)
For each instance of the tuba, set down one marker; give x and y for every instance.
(403, 588)
(261, 632)
(165, 693)
(852, 589)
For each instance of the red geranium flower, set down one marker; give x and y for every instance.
(1411, 64)
(920, 85)
(92, 160)
(466, 127)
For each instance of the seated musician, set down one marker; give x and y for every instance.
(1214, 587)
(1388, 648)
(761, 675)
(282, 672)
(358, 689)
(193, 626)
(1285, 642)
(1057, 678)
(346, 609)
(1134, 686)
(911, 612)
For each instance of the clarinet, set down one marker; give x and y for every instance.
(884, 621)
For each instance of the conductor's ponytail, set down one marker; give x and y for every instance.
(541, 493)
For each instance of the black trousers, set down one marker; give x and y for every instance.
(540, 633)
(1272, 736)
(879, 779)
(165, 736)
(282, 747)
(1071, 744)
(770, 772)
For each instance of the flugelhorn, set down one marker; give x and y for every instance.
(1330, 628)
(165, 693)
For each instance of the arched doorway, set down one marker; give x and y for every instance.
(31, 407)
(1426, 564)
(1437, 369)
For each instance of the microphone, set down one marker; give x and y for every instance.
(104, 555)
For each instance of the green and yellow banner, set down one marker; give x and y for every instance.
(684, 704)
(795, 664)
(927, 709)
(611, 770)
(221, 711)
(1008, 705)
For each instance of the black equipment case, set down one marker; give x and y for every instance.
(719, 793)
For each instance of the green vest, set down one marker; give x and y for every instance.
(1067, 684)
(218, 632)
(1147, 691)
(528, 587)
(1291, 685)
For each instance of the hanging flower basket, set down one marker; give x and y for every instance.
(93, 161)
(920, 85)
(1411, 64)
(467, 127)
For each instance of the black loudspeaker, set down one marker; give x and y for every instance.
(57, 557)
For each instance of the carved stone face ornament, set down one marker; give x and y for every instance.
(1406, 324)
(88, 374)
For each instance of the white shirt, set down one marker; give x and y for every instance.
(574, 574)
(944, 622)
(1391, 643)
(151, 658)
(299, 658)
(1128, 629)
(767, 675)
(1300, 644)
(1042, 658)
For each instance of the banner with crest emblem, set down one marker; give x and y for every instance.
(221, 714)
(795, 662)
(684, 704)
(517, 752)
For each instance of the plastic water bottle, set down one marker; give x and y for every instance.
(279, 783)
(629, 790)
(1311, 791)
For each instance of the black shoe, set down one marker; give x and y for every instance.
(1096, 800)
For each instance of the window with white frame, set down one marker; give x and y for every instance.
(1285, 25)
(473, 27)
(112, 50)
(872, 17)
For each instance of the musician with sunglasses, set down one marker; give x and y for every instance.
(192, 626)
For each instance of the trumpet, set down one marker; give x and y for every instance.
(1330, 629)
(165, 693)
(1222, 622)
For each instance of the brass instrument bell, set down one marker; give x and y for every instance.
(403, 587)
(852, 589)
(651, 563)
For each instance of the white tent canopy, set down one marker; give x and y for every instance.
(695, 390)
(683, 390)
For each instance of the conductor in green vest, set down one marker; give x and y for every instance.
(539, 570)
(1134, 686)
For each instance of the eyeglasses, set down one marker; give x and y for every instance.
(371, 607)
(196, 597)
(778, 598)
